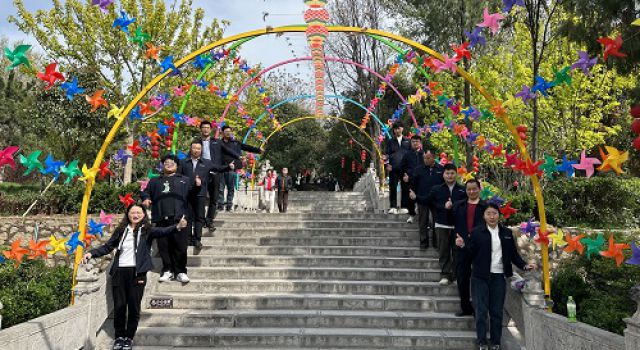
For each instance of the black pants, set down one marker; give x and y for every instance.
(127, 289)
(283, 201)
(213, 188)
(445, 252)
(463, 279)
(173, 249)
(425, 225)
(196, 209)
(394, 178)
(488, 298)
(228, 180)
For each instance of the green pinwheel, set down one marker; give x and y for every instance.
(17, 56)
(593, 246)
(140, 37)
(71, 171)
(549, 166)
(151, 174)
(31, 162)
(486, 193)
(562, 76)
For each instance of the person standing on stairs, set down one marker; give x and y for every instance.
(427, 176)
(167, 196)
(411, 160)
(269, 187)
(395, 149)
(284, 184)
(443, 196)
(467, 214)
(230, 176)
(132, 240)
(212, 149)
(492, 250)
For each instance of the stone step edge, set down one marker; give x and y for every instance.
(314, 268)
(207, 296)
(302, 313)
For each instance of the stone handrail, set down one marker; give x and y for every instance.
(542, 330)
(369, 185)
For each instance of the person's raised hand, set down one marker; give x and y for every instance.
(531, 266)
(405, 178)
(146, 203)
(232, 165)
(412, 195)
(448, 204)
(86, 258)
(459, 241)
(182, 223)
(198, 181)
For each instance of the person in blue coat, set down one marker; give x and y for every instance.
(132, 241)
(492, 250)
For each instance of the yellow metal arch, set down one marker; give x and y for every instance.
(287, 29)
(299, 119)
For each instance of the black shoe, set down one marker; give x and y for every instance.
(464, 313)
(208, 223)
(127, 344)
(198, 245)
(118, 343)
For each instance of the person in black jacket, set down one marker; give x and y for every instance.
(195, 167)
(132, 241)
(410, 161)
(492, 249)
(394, 152)
(213, 149)
(467, 214)
(230, 176)
(443, 196)
(424, 178)
(167, 196)
(284, 184)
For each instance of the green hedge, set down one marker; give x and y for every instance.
(32, 290)
(599, 288)
(63, 199)
(599, 202)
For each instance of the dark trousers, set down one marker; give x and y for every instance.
(394, 178)
(445, 256)
(196, 209)
(213, 188)
(283, 201)
(405, 201)
(425, 226)
(127, 290)
(488, 297)
(173, 249)
(463, 279)
(229, 181)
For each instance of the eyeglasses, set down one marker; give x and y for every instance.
(169, 163)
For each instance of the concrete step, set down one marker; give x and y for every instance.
(304, 318)
(307, 286)
(276, 223)
(309, 301)
(285, 261)
(310, 232)
(315, 273)
(314, 250)
(311, 216)
(317, 241)
(171, 347)
(282, 338)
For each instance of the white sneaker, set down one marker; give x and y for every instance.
(403, 211)
(443, 282)
(166, 277)
(183, 278)
(392, 211)
(410, 220)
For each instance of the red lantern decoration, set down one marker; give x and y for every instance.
(635, 126)
(342, 162)
(476, 164)
(353, 166)
(363, 155)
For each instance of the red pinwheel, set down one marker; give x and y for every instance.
(496, 151)
(612, 46)
(16, 253)
(6, 156)
(104, 170)
(461, 51)
(50, 75)
(135, 148)
(146, 108)
(37, 249)
(127, 200)
(507, 210)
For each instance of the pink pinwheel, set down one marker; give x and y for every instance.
(106, 219)
(448, 64)
(491, 21)
(6, 156)
(587, 164)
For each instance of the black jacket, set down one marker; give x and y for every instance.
(460, 216)
(411, 161)
(439, 196)
(478, 245)
(217, 149)
(288, 183)
(395, 152)
(203, 169)
(237, 147)
(183, 185)
(424, 179)
(142, 246)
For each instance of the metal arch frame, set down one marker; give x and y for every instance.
(337, 29)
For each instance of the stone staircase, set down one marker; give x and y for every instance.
(330, 274)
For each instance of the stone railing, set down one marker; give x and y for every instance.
(369, 184)
(542, 330)
(71, 328)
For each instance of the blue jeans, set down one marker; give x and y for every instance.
(488, 297)
(228, 180)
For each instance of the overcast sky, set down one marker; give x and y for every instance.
(244, 15)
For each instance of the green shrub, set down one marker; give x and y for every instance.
(32, 290)
(599, 288)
